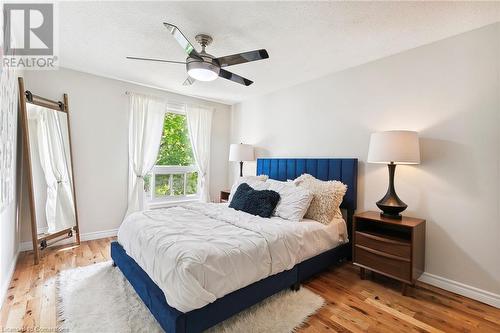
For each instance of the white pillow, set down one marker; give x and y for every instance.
(294, 200)
(256, 182)
(328, 196)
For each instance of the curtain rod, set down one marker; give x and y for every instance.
(145, 94)
(172, 101)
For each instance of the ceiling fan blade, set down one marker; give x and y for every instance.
(189, 81)
(158, 60)
(241, 58)
(182, 40)
(234, 77)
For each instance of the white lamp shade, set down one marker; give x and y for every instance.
(241, 152)
(400, 147)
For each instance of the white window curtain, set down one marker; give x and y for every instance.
(147, 114)
(199, 120)
(59, 208)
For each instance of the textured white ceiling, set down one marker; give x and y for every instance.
(305, 40)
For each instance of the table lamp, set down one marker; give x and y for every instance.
(239, 152)
(393, 148)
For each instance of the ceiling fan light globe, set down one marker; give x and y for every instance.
(202, 70)
(201, 74)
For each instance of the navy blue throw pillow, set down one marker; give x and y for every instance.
(248, 200)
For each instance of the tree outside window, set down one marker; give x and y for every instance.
(175, 146)
(175, 151)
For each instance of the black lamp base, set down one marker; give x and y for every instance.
(241, 168)
(391, 216)
(390, 205)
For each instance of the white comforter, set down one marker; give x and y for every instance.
(199, 252)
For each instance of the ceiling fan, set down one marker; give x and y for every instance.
(202, 66)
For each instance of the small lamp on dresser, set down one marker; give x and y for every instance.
(392, 148)
(239, 152)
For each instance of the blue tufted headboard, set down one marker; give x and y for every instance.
(342, 169)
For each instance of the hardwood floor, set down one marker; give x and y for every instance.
(353, 305)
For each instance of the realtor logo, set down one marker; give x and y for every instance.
(33, 25)
(28, 35)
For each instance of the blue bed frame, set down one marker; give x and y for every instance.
(174, 321)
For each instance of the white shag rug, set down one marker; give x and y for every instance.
(98, 298)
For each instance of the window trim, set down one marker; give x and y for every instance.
(176, 108)
(152, 199)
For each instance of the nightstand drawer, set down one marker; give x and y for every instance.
(385, 244)
(388, 264)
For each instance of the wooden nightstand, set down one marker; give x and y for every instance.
(224, 196)
(395, 248)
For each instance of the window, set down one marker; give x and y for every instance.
(175, 175)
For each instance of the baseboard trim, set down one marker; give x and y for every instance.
(28, 246)
(5, 286)
(98, 234)
(461, 289)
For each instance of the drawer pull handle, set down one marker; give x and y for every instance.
(383, 254)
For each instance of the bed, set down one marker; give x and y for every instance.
(287, 273)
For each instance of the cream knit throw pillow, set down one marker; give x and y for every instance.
(328, 195)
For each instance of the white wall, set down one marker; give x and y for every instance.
(9, 225)
(9, 244)
(99, 128)
(449, 91)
